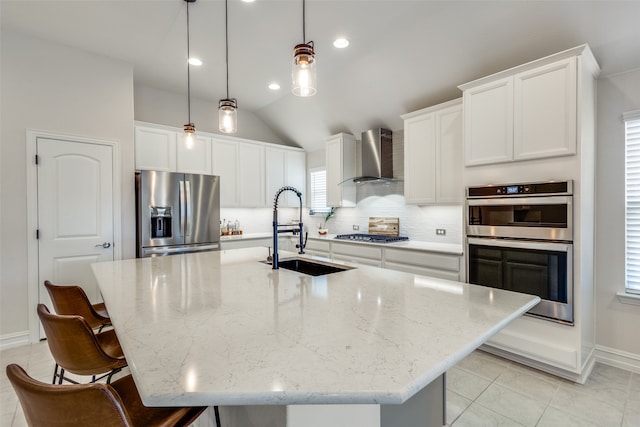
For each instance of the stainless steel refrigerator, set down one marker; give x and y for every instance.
(176, 213)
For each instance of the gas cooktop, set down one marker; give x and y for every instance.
(373, 238)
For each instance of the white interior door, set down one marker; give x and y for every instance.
(75, 213)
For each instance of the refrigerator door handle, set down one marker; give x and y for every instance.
(183, 210)
(187, 184)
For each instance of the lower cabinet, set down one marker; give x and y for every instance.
(427, 263)
(357, 254)
(443, 266)
(318, 248)
(246, 243)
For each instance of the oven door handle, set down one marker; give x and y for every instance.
(547, 200)
(520, 244)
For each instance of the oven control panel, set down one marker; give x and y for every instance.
(540, 188)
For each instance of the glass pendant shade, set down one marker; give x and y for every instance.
(189, 135)
(228, 116)
(304, 70)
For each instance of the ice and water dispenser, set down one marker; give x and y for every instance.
(160, 222)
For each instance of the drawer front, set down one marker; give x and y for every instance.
(358, 260)
(423, 259)
(318, 245)
(431, 272)
(356, 250)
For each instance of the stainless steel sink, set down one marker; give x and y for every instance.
(310, 267)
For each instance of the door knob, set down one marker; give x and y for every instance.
(105, 245)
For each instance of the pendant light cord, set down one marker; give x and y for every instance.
(304, 38)
(226, 38)
(188, 68)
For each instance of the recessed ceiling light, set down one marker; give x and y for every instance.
(195, 61)
(341, 43)
(248, 1)
(274, 86)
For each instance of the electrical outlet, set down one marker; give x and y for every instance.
(441, 232)
(356, 227)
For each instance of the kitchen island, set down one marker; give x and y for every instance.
(223, 328)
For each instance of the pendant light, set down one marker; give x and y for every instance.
(227, 108)
(189, 128)
(304, 65)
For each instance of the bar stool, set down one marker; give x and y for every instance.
(71, 299)
(92, 405)
(78, 350)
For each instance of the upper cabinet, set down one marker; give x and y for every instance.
(225, 165)
(527, 112)
(285, 167)
(155, 148)
(341, 165)
(544, 118)
(250, 175)
(194, 157)
(433, 155)
(250, 171)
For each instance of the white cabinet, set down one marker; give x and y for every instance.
(247, 243)
(155, 148)
(357, 254)
(194, 158)
(250, 171)
(341, 165)
(524, 115)
(251, 187)
(433, 154)
(318, 248)
(296, 175)
(441, 265)
(225, 164)
(545, 111)
(165, 149)
(285, 167)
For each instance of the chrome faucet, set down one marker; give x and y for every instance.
(287, 228)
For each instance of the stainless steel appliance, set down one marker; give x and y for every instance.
(372, 238)
(176, 213)
(520, 238)
(376, 156)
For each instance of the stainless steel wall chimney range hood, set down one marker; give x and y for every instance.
(376, 155)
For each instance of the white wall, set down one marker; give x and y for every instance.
(154, 105)
(49, 87)
(616, 323)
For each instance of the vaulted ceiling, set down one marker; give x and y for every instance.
(404, 54)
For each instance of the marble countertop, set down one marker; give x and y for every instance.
(221, 328)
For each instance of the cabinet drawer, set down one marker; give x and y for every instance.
(360, 251)
(431, 272)
(318, 246)
(358, 260)
(423, 259)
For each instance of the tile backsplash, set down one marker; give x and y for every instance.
(417, 222)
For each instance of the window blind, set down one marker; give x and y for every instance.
(632, 202)
(318, 180)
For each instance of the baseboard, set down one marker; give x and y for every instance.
(618, 358)
(14, 340)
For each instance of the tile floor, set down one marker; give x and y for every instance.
(482, 390)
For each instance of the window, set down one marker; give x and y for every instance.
(632, 201)
(318, 179)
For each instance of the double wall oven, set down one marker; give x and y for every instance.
(520, 238)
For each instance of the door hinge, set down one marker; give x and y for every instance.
(37, 234)
(37, 160)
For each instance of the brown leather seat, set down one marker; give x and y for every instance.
(88, 405)
(71, 299)
(76, 349)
